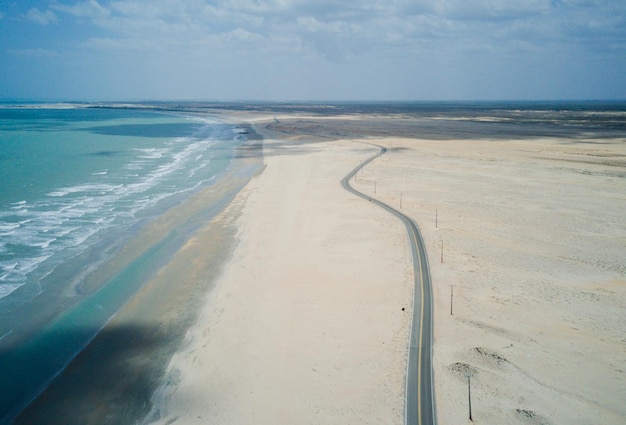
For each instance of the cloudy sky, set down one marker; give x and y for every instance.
(312, 50)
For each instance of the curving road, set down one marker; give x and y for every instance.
(420, 396)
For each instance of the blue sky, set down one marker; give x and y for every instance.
(312, 50)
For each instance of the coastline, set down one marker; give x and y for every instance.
(116, 373)
(305, 320)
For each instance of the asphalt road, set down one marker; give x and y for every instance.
(420, 397)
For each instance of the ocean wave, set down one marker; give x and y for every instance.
(152, 153)
(83, 188)
(38, 232)
(15, 270)
(6, 228)
(6, 289)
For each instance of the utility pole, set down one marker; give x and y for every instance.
(442, 251)
(469, 396)
(451, 298)
(436, 211)
(374, 186)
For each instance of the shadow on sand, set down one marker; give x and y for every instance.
(110, 382)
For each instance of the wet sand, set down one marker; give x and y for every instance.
(113, 379)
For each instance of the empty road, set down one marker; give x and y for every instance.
(420, 397)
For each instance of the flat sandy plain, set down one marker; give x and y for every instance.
(305, 324)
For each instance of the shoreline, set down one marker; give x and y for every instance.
(306, 321)
(151, 321)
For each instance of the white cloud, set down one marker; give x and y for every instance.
(39, 17)
(490, 10)
(336, 29)
(84, 9)
(319, 48)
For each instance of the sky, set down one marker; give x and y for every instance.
(324, 50)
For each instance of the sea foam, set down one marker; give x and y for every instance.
(39, 233)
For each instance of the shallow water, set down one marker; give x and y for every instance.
(77, 185)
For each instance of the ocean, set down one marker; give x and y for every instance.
(76, 185)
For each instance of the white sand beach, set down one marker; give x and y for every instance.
(305, 324)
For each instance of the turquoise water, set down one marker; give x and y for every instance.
(75, 185)
(69, 175)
